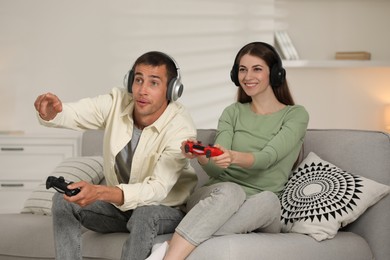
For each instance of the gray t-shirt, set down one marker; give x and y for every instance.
(124, 158)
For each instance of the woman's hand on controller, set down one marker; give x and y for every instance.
(224, 160)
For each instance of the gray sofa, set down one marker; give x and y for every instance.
(367, 153)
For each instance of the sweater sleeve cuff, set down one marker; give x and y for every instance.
(211, 169)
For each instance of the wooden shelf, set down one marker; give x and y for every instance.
(335, 63)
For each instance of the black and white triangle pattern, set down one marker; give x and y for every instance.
(319, 192)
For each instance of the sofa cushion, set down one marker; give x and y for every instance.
(26, 235)
(72, 169)
(319, 198)
(291, 246)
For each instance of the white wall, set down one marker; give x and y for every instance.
(319, 28)
(348, 97)
(352, 98)
(83, 48)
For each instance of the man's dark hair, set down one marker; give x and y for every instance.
(155, 59)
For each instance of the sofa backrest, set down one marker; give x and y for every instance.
(206, 136)
(365, 153)
(92, 143)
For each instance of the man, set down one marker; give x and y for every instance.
(147, 176)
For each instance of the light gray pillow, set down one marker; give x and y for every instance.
(73, 169)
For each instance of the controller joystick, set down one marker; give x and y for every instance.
(60, 185)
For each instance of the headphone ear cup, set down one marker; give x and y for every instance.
(175, 89)
(234, 75)
(277, 76)
(128, 81)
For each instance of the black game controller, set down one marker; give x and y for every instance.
(60, 185)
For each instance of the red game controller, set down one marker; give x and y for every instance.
(198, 148)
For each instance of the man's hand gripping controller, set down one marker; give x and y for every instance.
(198, 148)
(60, 185)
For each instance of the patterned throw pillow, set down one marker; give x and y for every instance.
(320, 198)
(74, 169)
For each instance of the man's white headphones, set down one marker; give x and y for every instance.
(175, 87)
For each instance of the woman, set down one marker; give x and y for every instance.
(260, 136)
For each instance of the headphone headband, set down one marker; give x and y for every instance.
(175, 87)
(277, 72)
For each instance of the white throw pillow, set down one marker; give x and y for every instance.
(320, 198)
(74, 169)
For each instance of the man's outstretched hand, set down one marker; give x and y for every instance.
(48, 106)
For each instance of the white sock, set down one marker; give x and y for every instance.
(158, 251)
